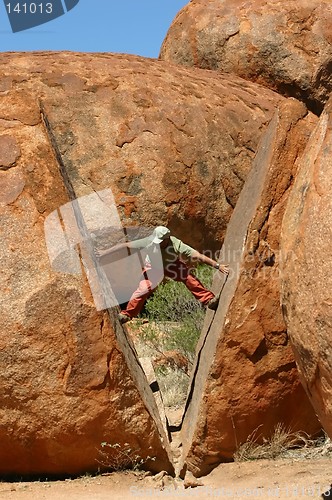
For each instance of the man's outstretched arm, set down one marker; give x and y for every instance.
(223, 268)
(113, 249)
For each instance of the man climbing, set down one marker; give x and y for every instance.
(165, 256)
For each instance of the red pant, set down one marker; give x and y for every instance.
(178, 271)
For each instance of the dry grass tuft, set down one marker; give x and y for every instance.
(283, 444)
(173, 384)
(116, 457)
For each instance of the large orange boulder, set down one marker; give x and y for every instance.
(173, 144)
(306, 268)
(245, 381)
(284, 45)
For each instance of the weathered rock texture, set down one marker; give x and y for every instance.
(171, 145)
(306, 268)
(151, 132)
(286, 46)
(245, 380)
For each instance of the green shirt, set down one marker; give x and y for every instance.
(152, 252)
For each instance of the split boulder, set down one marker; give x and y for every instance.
(70, 380)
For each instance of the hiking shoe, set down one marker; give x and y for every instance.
(123, 318)
(213, 303)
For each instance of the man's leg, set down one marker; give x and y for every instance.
(179, 271)
(137, 300)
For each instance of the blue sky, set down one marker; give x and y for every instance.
(128, 26)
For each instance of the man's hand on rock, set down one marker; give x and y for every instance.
(98, 253)
(223, 268)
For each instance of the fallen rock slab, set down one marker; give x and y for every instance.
(245, 382)
(306, 269)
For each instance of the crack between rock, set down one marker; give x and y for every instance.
(129, 141)
(16, 120)
(192, 386)
(63, 172)
(275, 373)
(179, 128)
(231, 36)
(229, 201)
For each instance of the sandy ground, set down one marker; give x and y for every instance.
(283, 479)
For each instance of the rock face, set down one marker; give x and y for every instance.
(149, 143)
(154, 134)
(306, 268)
(245, 381)
(151, 133)
(73, 126)
(286, 46)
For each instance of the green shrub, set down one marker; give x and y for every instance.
(174, 312)
(172, 301)
(175, 323)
